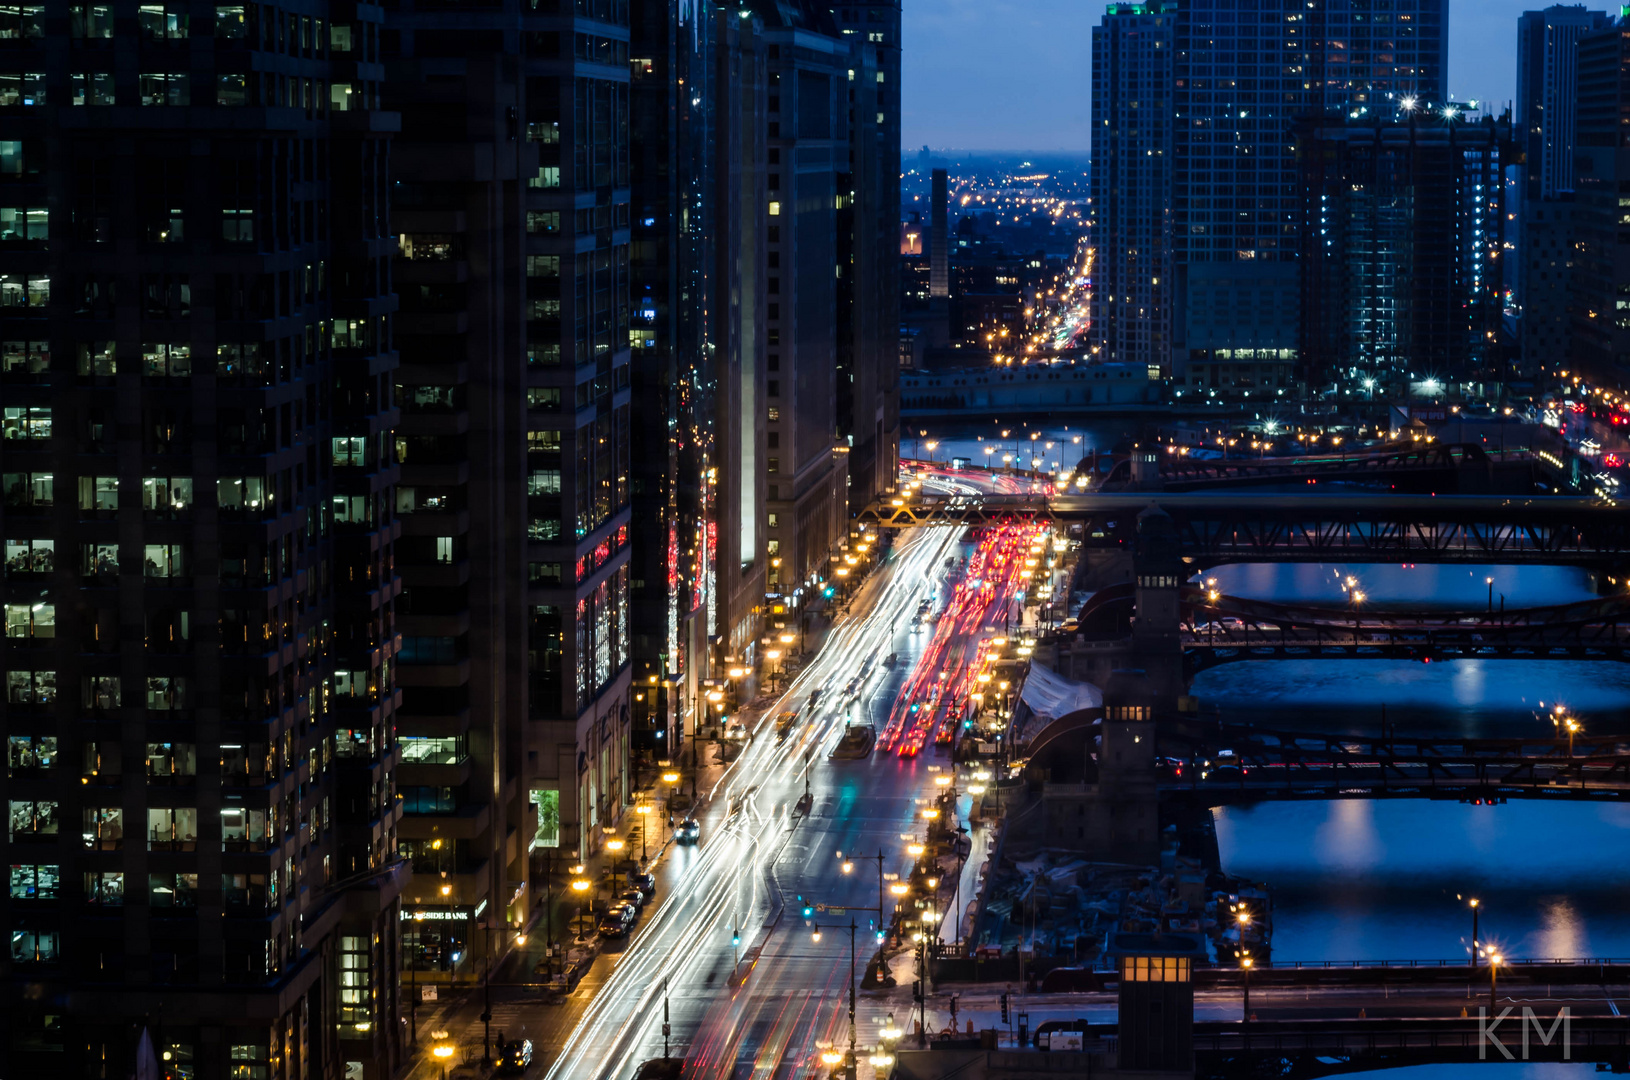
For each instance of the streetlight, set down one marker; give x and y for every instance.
(579, 886)
(1489, 581)
(614, 845)
(1494, 975)
(443, 1051)
(1245, 966)
(644, 810)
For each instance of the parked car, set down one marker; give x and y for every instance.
(618, 921)
(633, 895)
(645, 883)
(513, 1057)
(688, 831)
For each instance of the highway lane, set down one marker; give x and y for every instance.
(755, 848)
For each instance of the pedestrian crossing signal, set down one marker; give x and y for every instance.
(1004, 1008)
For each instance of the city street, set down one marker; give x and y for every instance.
(758, 862)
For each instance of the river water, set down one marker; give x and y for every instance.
(1373, 880)
(1390, 879)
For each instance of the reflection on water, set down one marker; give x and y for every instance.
(1419, 586)
(1484, 1070)
(1483, 698)
(1389, 879)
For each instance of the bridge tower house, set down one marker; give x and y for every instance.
(1114, 816)
(1159, 573)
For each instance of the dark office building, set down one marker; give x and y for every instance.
(833, 305)
(1241, 79)
(1599, 298)
(868, 301)
(671, 125)
(939, 238)
(1548, 91)
(1401, 244)
(578, 419)
(463, 276)
(1547, 104)
(200, 518)
(1131, 183)
(809, 184)
(1225, 238)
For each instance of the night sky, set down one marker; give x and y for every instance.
(1015, 74)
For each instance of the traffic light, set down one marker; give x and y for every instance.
(1004, 1008)
(809, 911)
(735, 939)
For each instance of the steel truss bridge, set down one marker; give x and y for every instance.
(1244, 527)
(1265, 763)
(1230, 628)
(1182, 473)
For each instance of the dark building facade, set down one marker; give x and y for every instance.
(462, 276)
(1132, 125)
(808, 187)
(1599, 298)
(200, 519)
(1547, 118)
(869, 302)
(1402, 228)
(1547, 93)
(1200, 237)
(578, 419)
(1240, 81)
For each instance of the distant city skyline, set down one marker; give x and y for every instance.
(1015, 75)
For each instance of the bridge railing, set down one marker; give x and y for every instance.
(1463, 962)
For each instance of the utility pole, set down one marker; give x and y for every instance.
(666, 1027)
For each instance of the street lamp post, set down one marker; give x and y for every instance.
(486, 999)
(580, 885)
(1474, 932)
(880, 929)
(442, 1052)
(615, 846)
(1494, 975)
(1245, 966)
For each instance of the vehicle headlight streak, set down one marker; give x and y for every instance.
(723, 889)
(932, 702)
